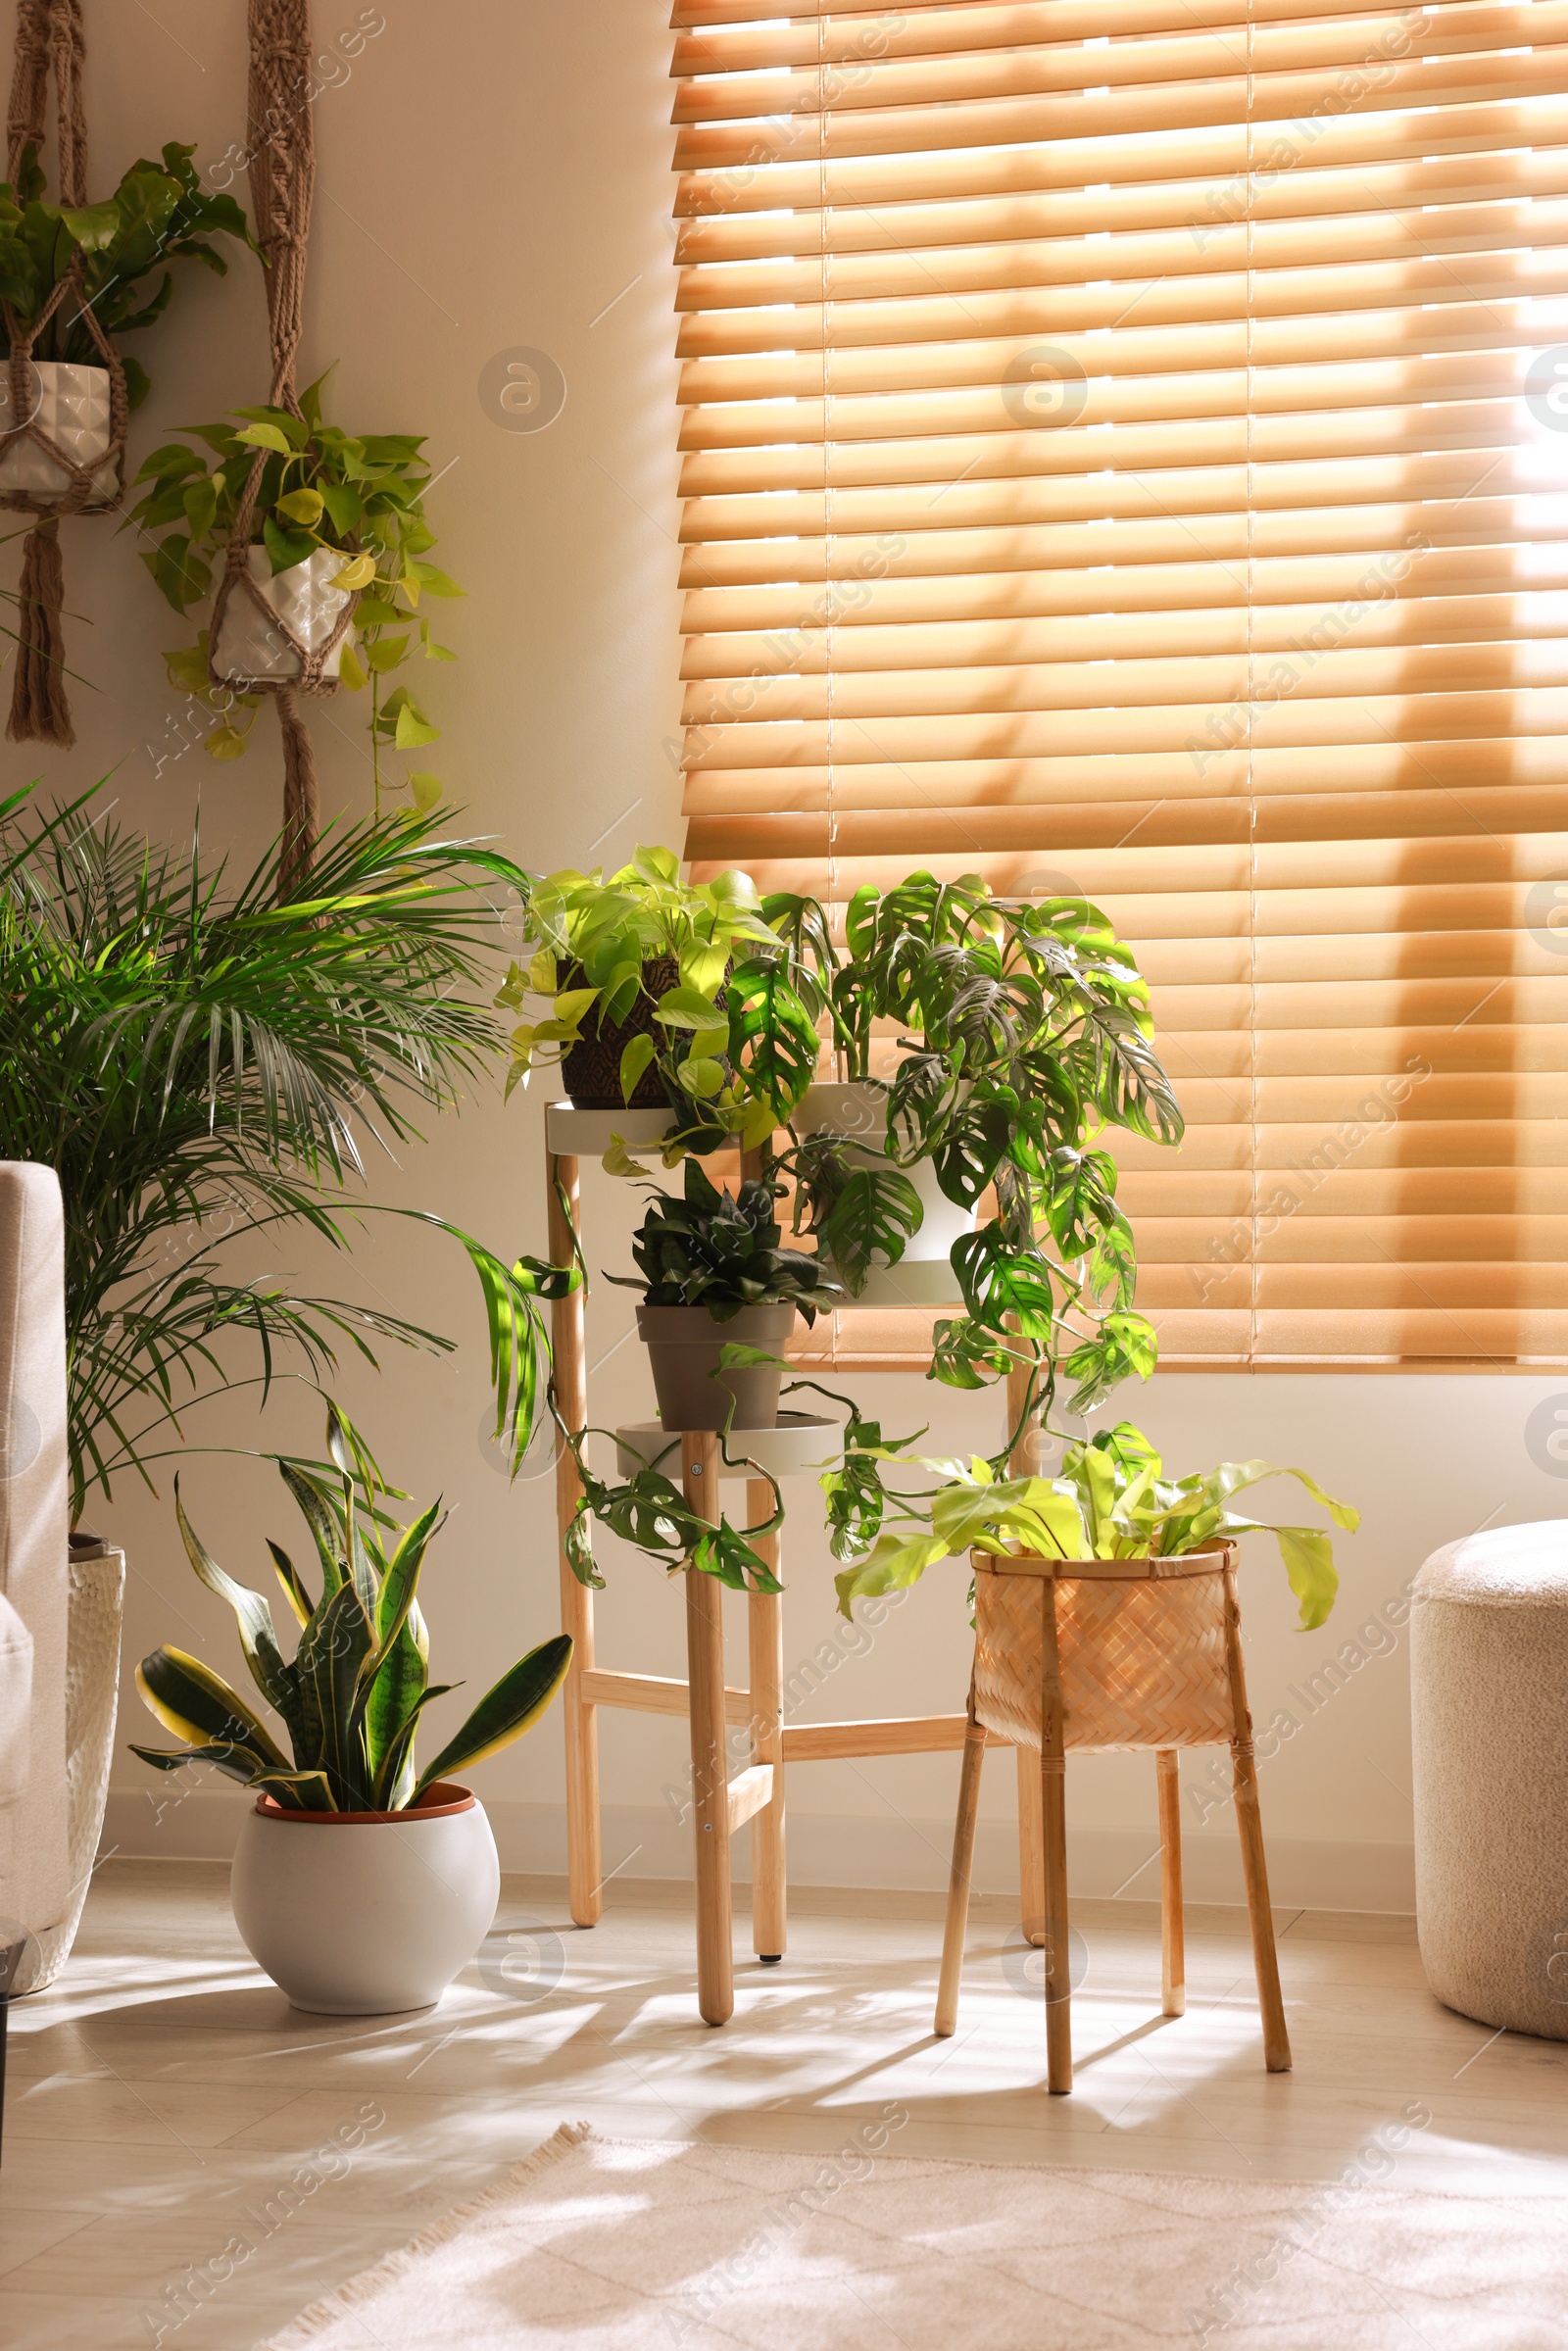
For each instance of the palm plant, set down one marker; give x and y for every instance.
(205, 1064)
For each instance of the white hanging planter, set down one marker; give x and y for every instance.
(364, 1913)
(858, 1113)
(74, 407)
(250, 643)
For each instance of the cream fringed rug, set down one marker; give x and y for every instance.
(632, 2245)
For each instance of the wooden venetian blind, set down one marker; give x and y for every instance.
(1126, 451)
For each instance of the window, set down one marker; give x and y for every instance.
(1126, 453)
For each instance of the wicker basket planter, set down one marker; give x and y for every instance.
(1086, 1653)
(1142, 1654)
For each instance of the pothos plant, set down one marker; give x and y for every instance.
(359, 495)
(728, 1029)
(157, 212)
(1110, 1499)
(1025, 1038)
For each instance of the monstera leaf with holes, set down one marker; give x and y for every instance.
(350, 1702)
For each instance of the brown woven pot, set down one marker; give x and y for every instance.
(591, 1070)
(1142, 1646)
(684, 1345)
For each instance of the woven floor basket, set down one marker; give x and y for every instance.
(1143, 1655)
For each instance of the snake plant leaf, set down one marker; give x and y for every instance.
(332, 1653)
(318, 1515)
(200, 1707)
(288, 1575)
(505, 1712)
(298, 1791)
(237, 1763)
(393, 1766)
(398, 1583)
(273, 1678)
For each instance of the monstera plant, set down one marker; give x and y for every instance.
(1023, 1041)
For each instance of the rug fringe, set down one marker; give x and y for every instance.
(314, 2321)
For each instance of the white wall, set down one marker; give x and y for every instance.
(492, 176)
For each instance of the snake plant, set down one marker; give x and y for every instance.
(352, 1697)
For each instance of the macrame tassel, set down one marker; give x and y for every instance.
(40, 709)
(301, 807)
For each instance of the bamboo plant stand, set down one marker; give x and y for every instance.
(756, 1792)
(1095, 1655)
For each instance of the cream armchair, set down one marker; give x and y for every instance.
(34, 1555)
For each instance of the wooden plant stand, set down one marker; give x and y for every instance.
(757, 1793)
(1097, 1655)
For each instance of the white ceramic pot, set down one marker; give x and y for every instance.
(366, 1913)
(250, 644)
(73, 406)
(858, 1113)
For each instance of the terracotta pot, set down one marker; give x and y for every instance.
(366, 1913)
(684, 1345)
(591, 1070)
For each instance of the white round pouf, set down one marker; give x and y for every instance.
(1488, 1679)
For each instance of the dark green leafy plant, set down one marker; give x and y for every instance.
(157, 211)
(722, 1250)
(360, 496)
(352, 1697)
(206, 1065)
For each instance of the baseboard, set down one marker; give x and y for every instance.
(829, 1849)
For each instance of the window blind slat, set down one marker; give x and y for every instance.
(1121, 455)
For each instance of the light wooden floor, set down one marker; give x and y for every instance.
(163, 2098)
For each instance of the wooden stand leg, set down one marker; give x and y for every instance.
(705, 1652)
(1053, 1807)
(1172, 1933)
(952, 1933)
(1031, 1849)
(1254, 1868)
(1031, 1817)
(765, 1642)
(584, 1856)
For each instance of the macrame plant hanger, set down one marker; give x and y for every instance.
(281, 138)
(49, 41)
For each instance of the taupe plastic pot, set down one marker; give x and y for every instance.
(684, 1345)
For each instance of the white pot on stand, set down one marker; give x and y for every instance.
(857, 1111)
(366, 1913)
